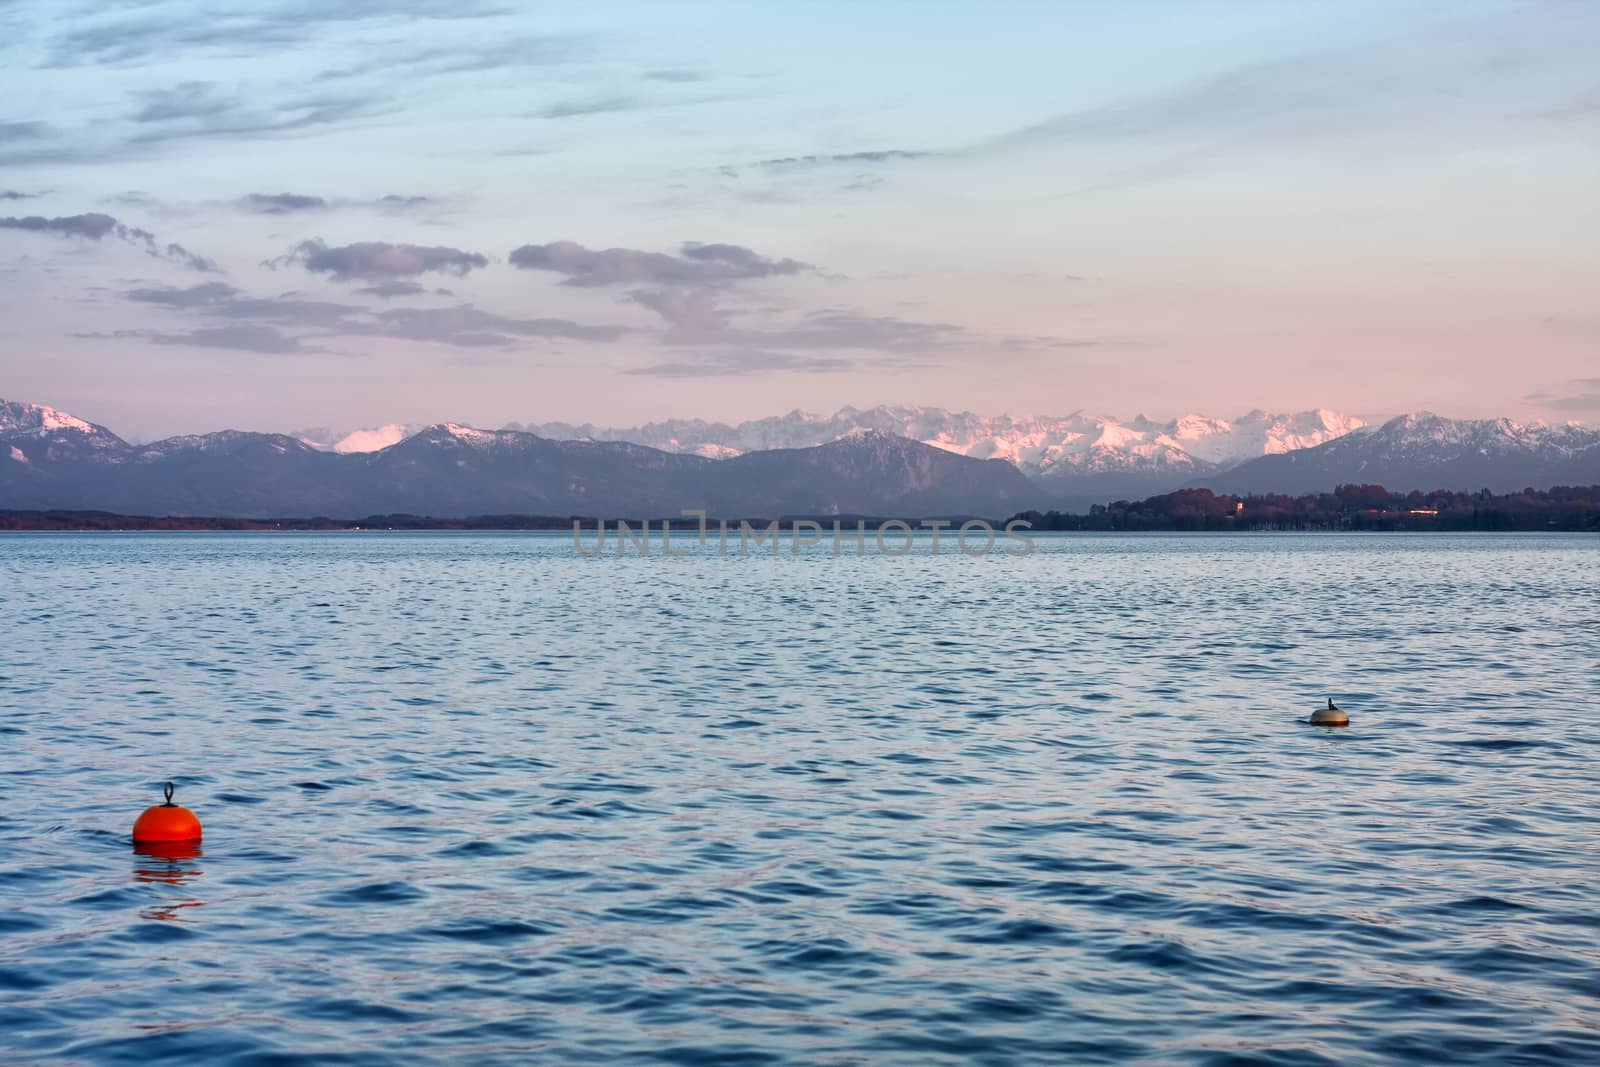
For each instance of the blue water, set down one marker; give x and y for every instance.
(476, 798)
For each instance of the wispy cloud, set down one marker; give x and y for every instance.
(391, 290)
(235, 337)
(693, 316)
(698, 264)
(743, 362)
(1429, 83)
(242, 337)
(189, 111)
(589, 105)
(687, 291)
(885, 155)
(30, 130)
(93, 226)
(35, 142)
(696, 317)
(468, 57)
(461, 326)
(851, 329)
(307, 203)
(281, 203)
(610, 103)
(675, 75)
(727, 342)
(1432, 85)
(159, 31)
(396, 202)
(202, 295)
(467, 326)
(1576, 394)
(195, 109)
(379, 260)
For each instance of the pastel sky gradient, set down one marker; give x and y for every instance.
(304, 213)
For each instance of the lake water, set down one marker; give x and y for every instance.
(479, 798)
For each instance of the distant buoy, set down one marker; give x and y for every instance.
(166, 823)
(1328, 716)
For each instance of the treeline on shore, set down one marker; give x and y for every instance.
(1348, 507)
(111, 521)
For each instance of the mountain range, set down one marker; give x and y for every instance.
(50, 460)
(1426, 451)
(1041, 446)
(881, 461)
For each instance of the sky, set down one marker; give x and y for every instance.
(299, 214)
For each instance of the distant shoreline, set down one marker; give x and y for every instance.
(19, 522)
(1561, 509)
(111, 522)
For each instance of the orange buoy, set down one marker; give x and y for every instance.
(165, 823)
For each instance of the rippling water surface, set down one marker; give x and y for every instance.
(475, 797)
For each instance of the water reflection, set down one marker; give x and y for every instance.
(171, 863)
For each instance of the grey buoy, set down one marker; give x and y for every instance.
(1329, 716)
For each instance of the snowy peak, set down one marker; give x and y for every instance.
(371, 439)
(34, 433)
(1228, 442)
(1075, 444)
(1427, 451)
(710, 451)
(867, 435)
(882, 460)
(1423, 433)
(37, 420)
(378, 438)
(225, 442)
(455, 435)
(467, 435)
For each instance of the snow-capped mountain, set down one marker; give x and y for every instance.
(222, 442)
(365, 440)
(455, 470)
(1043, 446)
(1230, 442)
(1425, 451)
(36, 432)
(886, 461)
(38, 420)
